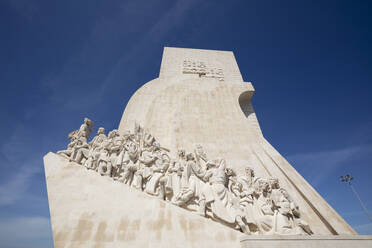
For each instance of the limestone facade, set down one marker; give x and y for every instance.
(89, 210)
(183, 110)
(210, 187)
(189, 166)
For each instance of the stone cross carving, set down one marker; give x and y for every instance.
(251, 204)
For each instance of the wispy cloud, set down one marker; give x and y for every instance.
(364, 229)
(17, 185)
(325, 161)
(104, 41)
(22, 232)
(352, 214)
(19, 146)
(173, 17)
(21, 163)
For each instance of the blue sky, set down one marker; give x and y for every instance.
(309, 61)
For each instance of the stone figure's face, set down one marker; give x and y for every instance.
(100, 130)
(190, 156)
(199, 150)
(166, 159)
(284, 193)
(263, 185)
(88, 122)
(149, 139)
(132, 147)
(274, 182)
(181, 153)
(249, 171)
(113, 133)
(110, 134)
(156, 145)
(229, 172)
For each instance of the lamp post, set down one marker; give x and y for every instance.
(347, 179)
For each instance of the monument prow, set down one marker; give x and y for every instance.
(188, 166)
(185, 109)
(89, 210)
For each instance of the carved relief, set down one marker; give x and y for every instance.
(202, 69)
(253, 205)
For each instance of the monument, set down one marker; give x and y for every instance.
(188, 166)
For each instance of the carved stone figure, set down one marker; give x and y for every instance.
(275, 193)
(288, 217)
(104, 163)
(70, 147)
(191, 182)
(85, 129)
(78, 140)
(236, 190)
(146, 160)
(264, 208)
(174, 174)
(115, 146)
(157, 180)
(98, 139)
(80, 151)
(148, 140)
(254, 205)
(246, 198)
(95, 149)
(215, 194)
(200, 153)
(129, 162)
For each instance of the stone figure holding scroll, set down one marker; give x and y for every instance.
(175, 170)
(254, 205)
(104, 163)
(157, 181)
(129, 163)
(215, 195)
(246, 198)
(190, 182)
(263, 206)
(96, 146)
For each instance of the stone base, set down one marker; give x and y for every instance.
(336, 241)
(89, 210)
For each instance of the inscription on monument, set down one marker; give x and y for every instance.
(201, 68)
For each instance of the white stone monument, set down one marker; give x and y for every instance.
(187, 167)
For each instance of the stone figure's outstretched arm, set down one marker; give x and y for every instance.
(143, 161)
(208, 174)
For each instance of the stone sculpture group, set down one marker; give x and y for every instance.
(254, 205)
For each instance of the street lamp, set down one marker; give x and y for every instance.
(347, 179)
